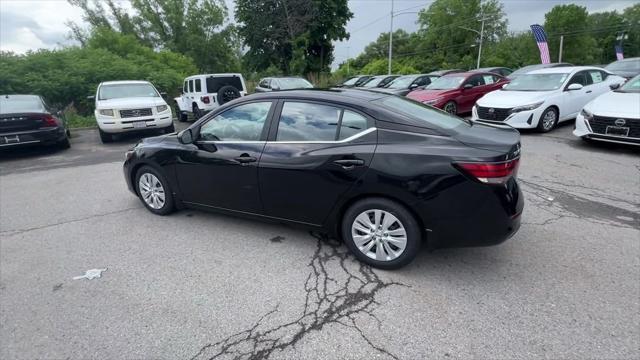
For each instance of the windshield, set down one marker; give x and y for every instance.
(373, 82)
(446, 83)
(402, 82)
(350, 81)
(118, 91)
(20, 104)
(625, 65)
(632, 86)
(420, 113)
(294, 83)
(536, 82)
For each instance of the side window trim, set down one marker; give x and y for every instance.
(265, 129)
(275, 121)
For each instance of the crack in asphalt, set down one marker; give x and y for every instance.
(568, 205)
(20, 231)
(329, 300)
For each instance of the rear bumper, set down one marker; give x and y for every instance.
(44, 136)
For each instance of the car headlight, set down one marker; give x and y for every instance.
(586, 114)
(162, 108)
(526, 107)
(432, 101)
(106, 112)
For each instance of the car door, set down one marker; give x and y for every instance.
(220, 169)
(316, 152)
(468, 96)
(575, 100)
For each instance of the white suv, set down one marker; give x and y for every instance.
(123, 106)
(203, 93)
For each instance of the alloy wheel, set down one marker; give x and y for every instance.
(379, 235)
(151, 190)
(548, 120)
(451, 108)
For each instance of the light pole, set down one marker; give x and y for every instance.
(481, 33)
(390, 40)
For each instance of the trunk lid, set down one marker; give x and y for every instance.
(499, 138)
(10, 123)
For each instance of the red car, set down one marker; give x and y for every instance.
(457, 93)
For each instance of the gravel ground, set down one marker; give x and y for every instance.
(198, 285)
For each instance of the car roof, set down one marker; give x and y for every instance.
(215, 74)
(334, 94)
(120, 82)
(19, 96)
(563, 69)
(469, 73)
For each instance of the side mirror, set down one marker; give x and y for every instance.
(185, 136)
(574, 86)
(504, 85)
(614, 86)
(163, 94)
(91, 97)
(467, 86)
(413, 86)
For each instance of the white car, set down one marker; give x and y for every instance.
(612, 117)
(123, 106)
(205, 92)
(543, 98)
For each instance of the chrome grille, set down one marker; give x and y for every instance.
(497, 114)
(135, 113)
(599, 125)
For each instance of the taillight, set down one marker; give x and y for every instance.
(49, 121)
(491, 172)
(205, 99)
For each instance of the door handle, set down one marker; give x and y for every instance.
(349, 164)
(245, 159)
(589, 91)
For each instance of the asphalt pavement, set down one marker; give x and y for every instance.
(195, 285)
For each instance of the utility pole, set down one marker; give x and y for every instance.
(347, 61)
(560, 52)
(390, 40)
(481, 39)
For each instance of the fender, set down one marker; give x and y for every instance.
(180, 103)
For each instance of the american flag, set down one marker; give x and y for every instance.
(541, 39)
(619, 54)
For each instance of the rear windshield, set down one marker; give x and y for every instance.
(119, 91)
(293, 83)
(215, 83)
(624, 65)
(351, 81)
(420, 113)
(21, 104)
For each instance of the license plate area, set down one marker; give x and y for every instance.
(139, 124)
(617, 131)
(7, 140)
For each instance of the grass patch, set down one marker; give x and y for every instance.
(75, 120)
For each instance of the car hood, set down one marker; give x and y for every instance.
(616, 104)
(130, 103)
(427, 94)
(509, 99)
(501, 138)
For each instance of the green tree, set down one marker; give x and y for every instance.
(570, 21)
(294, 35)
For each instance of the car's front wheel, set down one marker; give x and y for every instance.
(548, 120)
(381, 233)
(451, 108)
(154, 191)
(105, 137)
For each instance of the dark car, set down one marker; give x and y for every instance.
(381, 172)
(502, 71)
(355, 81)
(457, 93)
(378, 81)
(626, 68)
(405, 84)
(282, 83)
(530, 68)
(445, 72)
(28, 120)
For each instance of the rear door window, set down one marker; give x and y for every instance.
(596, 76)
(308, 122)
(198, 85)
(351, 124)
(185, 87)
(190, 86)
(488, 79)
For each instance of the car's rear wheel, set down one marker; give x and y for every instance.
(153, 190)
(65, 143)
(381, 233)
(182, 117)
(451, 108)
(548, 120)
(105, 137)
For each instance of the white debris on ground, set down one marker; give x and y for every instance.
(91, 274)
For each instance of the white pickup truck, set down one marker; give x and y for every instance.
(123, 106)
(205, 92)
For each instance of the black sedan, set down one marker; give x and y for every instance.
(407, 83)
(28, 120)
(383, 173)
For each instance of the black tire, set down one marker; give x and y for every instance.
(105, 137)
(64, 144)
(169, 129)
(227, 93)
(197, 113)
(407, 220)
(168, 206)
(541, 124)
(182, 117)
(451, 107)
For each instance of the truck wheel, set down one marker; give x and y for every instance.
(105, 137)
(182, 117)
